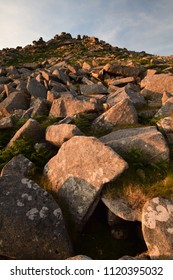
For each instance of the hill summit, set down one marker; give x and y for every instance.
(86, 137)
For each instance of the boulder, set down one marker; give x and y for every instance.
(120, 114)
(158, 83)
(6, 123)
(40, 108)
(36, 89)
(166, 95)
(69, 106)
(157, 227)
(77, 199)
(57, 87)
(78, 172)
(15, 100)
(122, 70)
(143, 139)
(130, 92)
(93, 89)
(18, 166)
(166, 124)
(62, 77)
(93, 162)
(120, 81)
(58, 134)
(34, 227)
(166, 109)
(121, 208)
(80, 258)
(154, 87)
(31, 130)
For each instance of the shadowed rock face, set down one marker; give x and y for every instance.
(32, 225)
(157, 227)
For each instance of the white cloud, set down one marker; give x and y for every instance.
(134, 24)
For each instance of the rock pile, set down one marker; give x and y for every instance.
(115, 98)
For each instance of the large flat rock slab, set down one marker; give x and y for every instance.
(85, 158)
(143, 139)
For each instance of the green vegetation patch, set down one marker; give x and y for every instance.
(142, 180)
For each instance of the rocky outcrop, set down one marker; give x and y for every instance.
(34, 226)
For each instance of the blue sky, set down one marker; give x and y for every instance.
(133, 24)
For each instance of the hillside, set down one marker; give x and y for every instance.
(85, 151)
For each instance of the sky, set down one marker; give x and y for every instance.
(138, 25)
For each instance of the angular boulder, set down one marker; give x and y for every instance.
(122, 70)
(36, 89)
(86, 158)
(154, 87)
(40, 108)
(58, 134)
(157, 227)
(18, 166)
(6, 123)
(130, 92)
(78, 172)
(166, 109)
(165, 125)
(68, 106)
(121, 208)
(32, 225)
(121, 113)
(93, 89)
(31, 130)
(158, 83)
(15, 100)
(144, 139)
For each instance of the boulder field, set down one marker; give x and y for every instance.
(89, 111)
